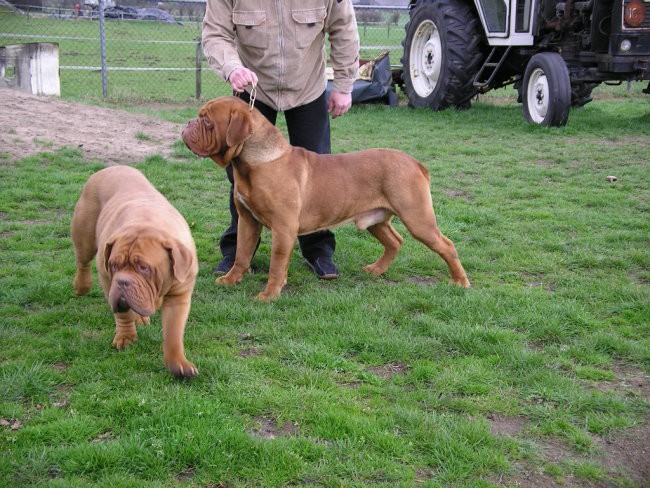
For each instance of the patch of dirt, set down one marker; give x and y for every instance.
(630, 453)
(250, 352)
(31, 124)
(388, 371)
(457, 193)
(268, 428)
(423, 281)
(624, 456)
(186, 475)
(506, 425)
(103, 437)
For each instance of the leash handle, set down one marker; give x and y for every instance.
(251, 102)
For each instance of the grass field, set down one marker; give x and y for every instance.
(527, 379)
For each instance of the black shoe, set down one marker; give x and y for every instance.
(224, 265)
(324, 267)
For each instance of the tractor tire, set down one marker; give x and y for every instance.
(442, 54)
(546, 90)
(581, 93)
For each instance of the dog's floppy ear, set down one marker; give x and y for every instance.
(107, 252)
(181, 259)
(239, 129)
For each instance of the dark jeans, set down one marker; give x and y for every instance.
(308, 127)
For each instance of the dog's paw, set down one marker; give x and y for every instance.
(122, 341)
(224, 280)
(182, 369)
(374, 269)
(82, 282)
(266, 297)
(140, 320)
(263, 297)
(464, 282)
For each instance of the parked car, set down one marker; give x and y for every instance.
(119, 12)
(155, 14)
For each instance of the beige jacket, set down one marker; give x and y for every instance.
(283, 42)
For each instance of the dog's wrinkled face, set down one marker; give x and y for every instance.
(141, 270)
(220, 130)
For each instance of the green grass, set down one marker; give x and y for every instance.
(129, 44)
(363, 381)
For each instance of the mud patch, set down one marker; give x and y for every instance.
(31, 124)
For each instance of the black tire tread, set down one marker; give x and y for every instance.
(463, 53)
(581, 93)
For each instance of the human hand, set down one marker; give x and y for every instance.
(339, 103)
(241, 77)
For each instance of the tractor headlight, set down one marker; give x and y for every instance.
(626, 45)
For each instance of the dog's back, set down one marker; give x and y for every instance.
(121, 195)
(110, 182)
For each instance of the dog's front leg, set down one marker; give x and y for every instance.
(125, 333)
(175, 311)
(282, 241)
(248, 233)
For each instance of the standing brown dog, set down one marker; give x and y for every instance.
(294, 191)
(146, 257)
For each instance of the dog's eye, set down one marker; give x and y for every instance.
(143, 269)
(114, 267)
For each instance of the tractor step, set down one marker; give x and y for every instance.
(490, 68)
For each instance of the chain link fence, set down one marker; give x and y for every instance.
(151, 52)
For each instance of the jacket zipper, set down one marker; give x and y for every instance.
(281, 61)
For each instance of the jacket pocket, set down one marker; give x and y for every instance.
(309, 24)
(251, 28)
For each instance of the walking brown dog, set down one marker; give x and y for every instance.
(294, 191)
(146, 257)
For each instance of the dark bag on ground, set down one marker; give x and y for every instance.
(374, 84)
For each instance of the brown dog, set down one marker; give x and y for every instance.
(146, 257)
(294, 191)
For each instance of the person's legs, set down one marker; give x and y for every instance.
(309, 127)
(228, 240)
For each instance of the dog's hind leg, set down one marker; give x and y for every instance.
(385, 233)
(82, 231)
(424, 228)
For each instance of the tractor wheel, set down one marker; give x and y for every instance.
(581, 93)
(442, 54)
(546, 90)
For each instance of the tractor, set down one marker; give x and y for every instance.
(553, 52)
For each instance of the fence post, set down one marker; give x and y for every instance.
(102, 46)
(198, 60)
